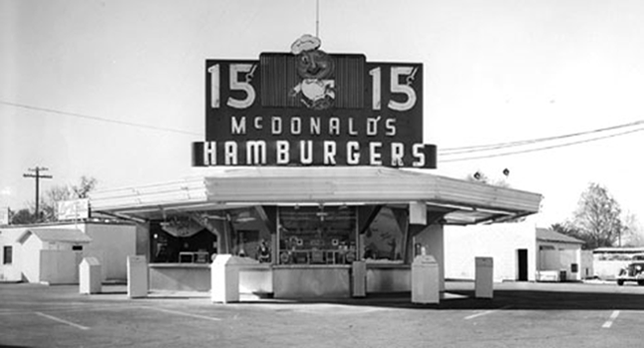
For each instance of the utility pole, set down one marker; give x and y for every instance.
(37, 176)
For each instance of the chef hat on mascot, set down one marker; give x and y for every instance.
(305, 43)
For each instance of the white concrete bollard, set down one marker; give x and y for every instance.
(425, 280)
(137, 276)
(484, 277)
(224, 277)
(90, 276)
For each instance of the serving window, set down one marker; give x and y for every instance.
(317, 235)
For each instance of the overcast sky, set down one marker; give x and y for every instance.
(494, 71)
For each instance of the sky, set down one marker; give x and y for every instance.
(114, 89)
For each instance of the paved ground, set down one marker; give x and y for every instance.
(521, 314)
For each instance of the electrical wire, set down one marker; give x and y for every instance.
(487, 147)
(101, 119)
(442, 153)
(540, 148)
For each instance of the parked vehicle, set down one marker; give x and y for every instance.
(634, 272)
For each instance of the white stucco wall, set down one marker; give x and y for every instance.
(432, 238)
(557, 256)
(29, 262)
(59, 266)
(111, 244)
(499, 241)
(13, 271)
(587, 269)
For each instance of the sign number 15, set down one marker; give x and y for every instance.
(247, 70)
(234, 84)
(395, 87)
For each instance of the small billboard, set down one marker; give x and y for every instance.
(73, 209)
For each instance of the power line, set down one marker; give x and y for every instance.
(540, 148)
(96, 118)
(488, 147)
(442, 152)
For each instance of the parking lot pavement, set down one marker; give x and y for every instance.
(525, 314)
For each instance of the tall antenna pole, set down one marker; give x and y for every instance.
(37, 176)
(317, 18)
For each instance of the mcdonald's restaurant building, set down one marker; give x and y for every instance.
(311, 162)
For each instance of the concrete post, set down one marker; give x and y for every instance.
(484, 277)
(425, 282)
(90, 276)
(137, 276)
(225, 277)
(359, 279)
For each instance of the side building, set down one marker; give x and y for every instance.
(521, 252)
(51, 252)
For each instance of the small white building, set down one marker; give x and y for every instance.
(521, 252)
(50, 253)
(560, 257)
(47, 255)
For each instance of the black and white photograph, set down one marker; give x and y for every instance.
(321, 173)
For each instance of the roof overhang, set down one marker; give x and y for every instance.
(463, 202)
(55, 235)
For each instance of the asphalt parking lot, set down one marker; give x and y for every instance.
(520, 314)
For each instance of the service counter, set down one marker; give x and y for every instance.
(284, 281)
(179, 276)
(388, 277)
(311, 281)
(255, 279)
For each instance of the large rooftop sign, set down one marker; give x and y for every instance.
(308, 107)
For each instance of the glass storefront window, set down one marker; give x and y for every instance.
(250, 236)
(383, 238)
(314, 235)
(179, 241)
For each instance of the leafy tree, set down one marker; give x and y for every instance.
(597, 218)
(22, 217)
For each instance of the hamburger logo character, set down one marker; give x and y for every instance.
(315, 68)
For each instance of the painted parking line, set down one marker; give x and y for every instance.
(197, 316)
(19, 311)
(610, 320)
(485, 313)
(62, 321)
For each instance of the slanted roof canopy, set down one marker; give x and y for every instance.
(464, 202)
(546, 235)
(60, 235)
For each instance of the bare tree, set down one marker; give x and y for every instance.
(633, 235)
(62, 193)
(597, 218)
(86, 185)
